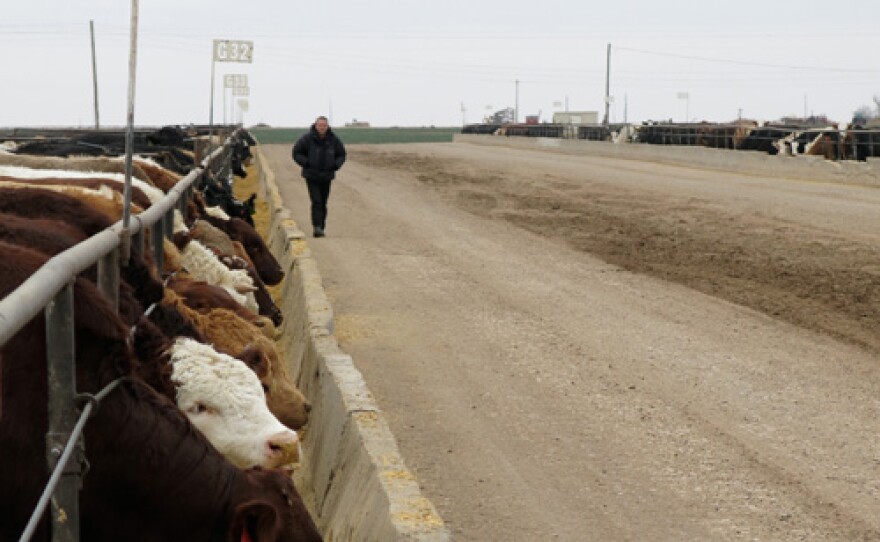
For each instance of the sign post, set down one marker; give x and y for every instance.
(235, 81)
(226, 51)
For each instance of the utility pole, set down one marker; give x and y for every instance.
(516, 104)
(94, 74)
(607, 84)
(625, 107)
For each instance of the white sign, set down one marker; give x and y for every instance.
(243, 104)
(682, 95)
(235, 80)
(233, 51)
(241, 91)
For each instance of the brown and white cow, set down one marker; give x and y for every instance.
(152, 477)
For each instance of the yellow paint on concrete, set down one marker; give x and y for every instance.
(368, 419)
(419, 514)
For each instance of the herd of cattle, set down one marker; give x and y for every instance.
(198, 440)
(851, 142)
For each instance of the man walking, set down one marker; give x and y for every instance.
(321, 154)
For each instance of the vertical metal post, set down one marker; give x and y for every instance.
(157, 239)
(211, 112)
(607, 84)
(168, 223)
(137, 244)
(95, 75)
(108, 277)
(129, 134)
(516, 104)
(62, 413)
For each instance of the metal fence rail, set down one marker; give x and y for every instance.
(49, 289)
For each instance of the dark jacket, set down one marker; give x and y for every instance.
(319, 158)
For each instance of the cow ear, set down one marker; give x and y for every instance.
(255, 521)
(253, 358)
(181, 239)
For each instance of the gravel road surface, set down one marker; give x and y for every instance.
(584, 348)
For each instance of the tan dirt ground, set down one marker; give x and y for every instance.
(585, 348)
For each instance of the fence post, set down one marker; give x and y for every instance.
(108, 277)
(157, 238)
(168, 223)
(62, 413)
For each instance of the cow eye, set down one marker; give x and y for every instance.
(200, 408)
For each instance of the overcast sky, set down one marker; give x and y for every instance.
(417, 62)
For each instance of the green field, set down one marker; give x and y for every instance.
(362, 135)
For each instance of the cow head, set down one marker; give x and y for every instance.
(271, 511)
(283, 397)
(224, 399)
(267, 266)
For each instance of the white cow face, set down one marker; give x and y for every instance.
(224, 399)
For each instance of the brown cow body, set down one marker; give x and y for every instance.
(205, 297)
(137, 195)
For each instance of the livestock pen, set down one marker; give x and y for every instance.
(851, 142)
(50, 289)
(351, 464)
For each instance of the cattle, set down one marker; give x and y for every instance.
(234, 256)
(231, 334)
(138, 197)
(38, 203)
(266, 306)
(48, 236)
(202, 264)
(83, 164)
(225, 400)
(212, 237)
(238, 230)
(160, 177)
(152, 477)
(204, 297)
(46, 204)
(218, 192)
(180, 160)
(221, 384)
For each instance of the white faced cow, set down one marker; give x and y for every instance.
(224, 399)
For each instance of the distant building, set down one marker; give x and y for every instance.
(576, 117)
(357, 124)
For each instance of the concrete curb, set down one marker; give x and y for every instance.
(813, 168)
(363, 490)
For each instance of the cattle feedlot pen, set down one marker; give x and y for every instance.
(50, 289)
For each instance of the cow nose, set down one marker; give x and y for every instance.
(308, 407)
(283, 448)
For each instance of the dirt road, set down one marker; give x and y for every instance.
(582, 348)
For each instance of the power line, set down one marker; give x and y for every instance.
(747, 62)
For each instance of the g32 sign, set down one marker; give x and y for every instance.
(233, 51)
